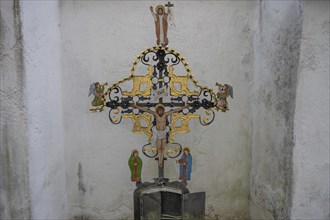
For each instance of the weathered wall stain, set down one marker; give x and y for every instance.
(14, 188)
(275, 91)
(19, 45)
(6, 189)
(81, 185)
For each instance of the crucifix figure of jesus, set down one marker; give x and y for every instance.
(160, 116)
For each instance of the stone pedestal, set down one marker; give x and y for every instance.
(167, 200)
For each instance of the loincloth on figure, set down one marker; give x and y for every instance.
(159, 135)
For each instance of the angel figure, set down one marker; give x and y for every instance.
(162, 20)
(135, 165)
(224, 90)
(185, 164)
(98, 91)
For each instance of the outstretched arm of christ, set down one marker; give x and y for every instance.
(144, 109)
(176, 110)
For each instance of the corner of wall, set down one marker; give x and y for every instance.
(276, 49)
(310, 199)
(14, 185)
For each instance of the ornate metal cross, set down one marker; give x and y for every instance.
(160, 86)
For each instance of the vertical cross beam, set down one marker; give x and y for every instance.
(161, 68)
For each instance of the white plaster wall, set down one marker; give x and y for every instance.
(276, 50)
(311, 151)
(41, 40)
(99, 42)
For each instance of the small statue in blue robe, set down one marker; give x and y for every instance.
(185, 164)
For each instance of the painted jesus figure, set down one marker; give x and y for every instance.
(160, 116)
(161, 19)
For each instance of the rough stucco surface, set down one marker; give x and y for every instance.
(311, 151)
(40, 21)
(14, 173)
(276, 49)
(99, 42)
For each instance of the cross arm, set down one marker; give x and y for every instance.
(144, 109)
(176, 110)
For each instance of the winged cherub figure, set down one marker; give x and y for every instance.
(224, 90)
(98, 91)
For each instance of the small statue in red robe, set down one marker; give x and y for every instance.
(185, 165)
